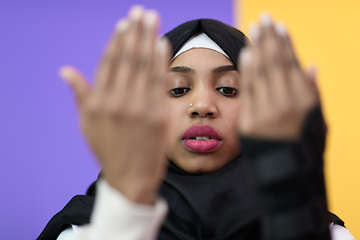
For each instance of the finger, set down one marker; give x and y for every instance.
(259, 75)
(292, 62)
(146, 58)
(77, 83)
(311, 74)
(246, 80)
(294, 74)
(109, 62)
(270, 51)
(161, 68)
(128, 52)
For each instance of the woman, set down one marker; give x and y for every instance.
(267, 184)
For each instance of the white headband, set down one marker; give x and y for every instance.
(200, 41)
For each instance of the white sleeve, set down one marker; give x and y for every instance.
(338, 232)
(116, 217)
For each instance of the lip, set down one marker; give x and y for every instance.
(205, 130)
(201, 146)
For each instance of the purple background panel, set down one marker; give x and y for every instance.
(44, 158)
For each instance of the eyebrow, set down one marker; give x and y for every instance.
(225, 68)
(183, 69)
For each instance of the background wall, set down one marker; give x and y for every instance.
(327, 33)
(44, 159)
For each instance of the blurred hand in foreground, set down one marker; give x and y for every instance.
(277, 94)
(122, 115)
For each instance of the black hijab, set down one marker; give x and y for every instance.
(218, 205)
(229, 39)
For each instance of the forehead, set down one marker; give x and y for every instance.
(203, 58)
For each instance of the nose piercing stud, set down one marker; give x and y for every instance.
(190, 104)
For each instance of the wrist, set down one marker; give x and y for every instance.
(141, 197)
(135, 193)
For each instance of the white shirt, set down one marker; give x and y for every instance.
(115, 217)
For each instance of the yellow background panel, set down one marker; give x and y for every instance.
(327, 33)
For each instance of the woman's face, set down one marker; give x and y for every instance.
(202, 91)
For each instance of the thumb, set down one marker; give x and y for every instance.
(77, 82)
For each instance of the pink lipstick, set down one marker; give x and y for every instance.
(201, 139)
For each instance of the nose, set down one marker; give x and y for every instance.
(202, 105)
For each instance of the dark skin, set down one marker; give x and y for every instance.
(212, 87)
(130, 108)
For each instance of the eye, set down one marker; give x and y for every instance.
(228, 91)
(178, 92)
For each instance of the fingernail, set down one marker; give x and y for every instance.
(122, 25)
(245, 56)
(281, 29)
(265, 20)
(254, 32)
(136, 12)
(64, 73)
(150, 19)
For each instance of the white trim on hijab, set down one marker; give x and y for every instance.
(200, 41)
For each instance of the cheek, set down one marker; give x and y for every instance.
(232, 112)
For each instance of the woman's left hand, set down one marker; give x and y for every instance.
(276, 93)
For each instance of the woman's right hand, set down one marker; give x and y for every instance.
(122, 115)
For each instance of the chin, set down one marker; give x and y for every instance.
(201, 164)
